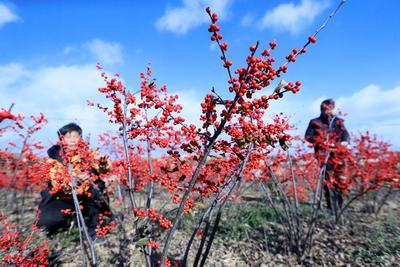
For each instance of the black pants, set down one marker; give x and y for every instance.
(54, 220)
(333, 192)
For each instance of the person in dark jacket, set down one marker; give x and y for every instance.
(325, 133)
(57, 206)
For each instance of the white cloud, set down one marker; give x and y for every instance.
(247, 20)
(190, 15)
(213, 46)
(6, 15)
(293, 18)
(67, 50)
(138, 51)
(10, 74)
(105, 52)
(190, 101)
(59, 92)
(369, 109)
(374, 109)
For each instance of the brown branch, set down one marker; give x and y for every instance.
(126, 152)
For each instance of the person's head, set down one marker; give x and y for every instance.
(327, 107)
(70, 135)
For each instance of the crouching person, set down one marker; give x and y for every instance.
(72, 156)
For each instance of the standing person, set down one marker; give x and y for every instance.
(327, 133)
(57, 205)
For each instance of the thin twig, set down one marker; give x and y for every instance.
(81, 219)
(207, 214)
(224, 201)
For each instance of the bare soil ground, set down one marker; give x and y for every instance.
(249, 235)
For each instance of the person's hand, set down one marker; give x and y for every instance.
(103, 160)
(345, 144)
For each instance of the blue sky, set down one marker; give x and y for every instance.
(49, 50)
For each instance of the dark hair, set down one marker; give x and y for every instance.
(327, 102)
(70, 127)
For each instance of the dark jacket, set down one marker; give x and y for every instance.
(318, 129)
(54, 153)
(51, 216)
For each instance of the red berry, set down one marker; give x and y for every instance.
(224, 46)
(252, 48)
(312, 39)
(283, 68)
(214, 17)
(212, 27)
(265, 53)
(272, 44)
(228, 63)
